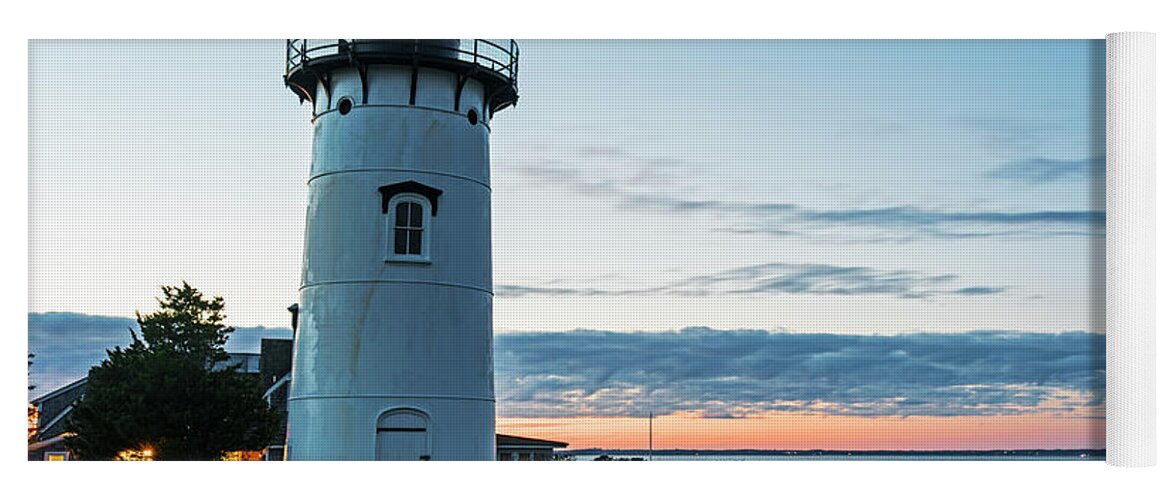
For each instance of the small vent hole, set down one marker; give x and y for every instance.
(473, 116)
(345, 105)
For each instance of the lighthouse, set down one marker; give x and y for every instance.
(393, 347)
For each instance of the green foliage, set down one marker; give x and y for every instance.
(165, 392)
(186, 324)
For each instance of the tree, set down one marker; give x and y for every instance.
(170, 391)
(33, 412)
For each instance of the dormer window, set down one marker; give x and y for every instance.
(410, 208)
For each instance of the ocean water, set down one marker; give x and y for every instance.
(867, 457)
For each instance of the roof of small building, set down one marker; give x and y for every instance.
(507, 440)
(58, 391)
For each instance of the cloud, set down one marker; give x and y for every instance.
(68, 344)
(737, 373)
(1044, 170)
(523, 291)
(781, 278)
(719, 373)
(979, 290)
(916, 217)
(854, 225)
(895, 224)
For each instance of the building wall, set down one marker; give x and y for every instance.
(375, 336)
(276, 359)
(524, 454)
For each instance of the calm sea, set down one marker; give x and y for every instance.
(870, 457)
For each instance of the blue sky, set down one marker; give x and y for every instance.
(851, 188)
(626, 166)
(646, 164)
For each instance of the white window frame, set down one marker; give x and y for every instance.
(424, 256)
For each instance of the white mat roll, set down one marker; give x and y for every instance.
(1130, 249)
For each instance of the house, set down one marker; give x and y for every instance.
(514, 448)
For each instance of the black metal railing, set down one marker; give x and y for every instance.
(499, 57)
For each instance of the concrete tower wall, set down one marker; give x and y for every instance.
(380, 342)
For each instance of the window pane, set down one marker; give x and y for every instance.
(416, 247)
(400, 241)
(416, 215)
(400, 214)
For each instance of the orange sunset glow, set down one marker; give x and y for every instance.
(789, 431)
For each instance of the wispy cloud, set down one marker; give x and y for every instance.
(895, 224)
(911, 216)
(852, 225)
(781, 278)
(507, 290)
(719, 373)
(979, 290)
(1045, 170)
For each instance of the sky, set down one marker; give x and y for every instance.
(769, 244)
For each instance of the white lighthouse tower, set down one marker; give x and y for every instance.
(393, 351)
